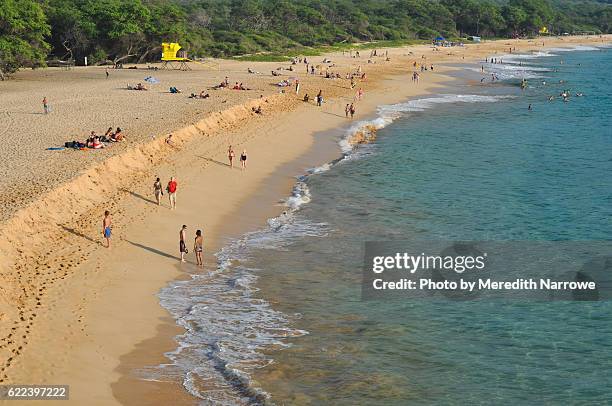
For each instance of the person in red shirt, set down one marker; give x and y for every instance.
(172, 186)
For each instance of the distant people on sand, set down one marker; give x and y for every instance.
(320, 98)
(46, 107)
(106, 228)
(347, 110)
(243, 160)
(352, 109)
(197, 247)
(230, 156)
(182, 246)
(158, 191)
(172, 188)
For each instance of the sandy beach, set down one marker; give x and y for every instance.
(73, 312)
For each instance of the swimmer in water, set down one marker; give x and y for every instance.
(551, 98)
(529, 108)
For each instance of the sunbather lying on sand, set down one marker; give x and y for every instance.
(202, 95)
(240, 87)
(174, 90)
(221, 85)
(139, 86)
(284, 83)
(117, 136)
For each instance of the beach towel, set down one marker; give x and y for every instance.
(151, 80)
(56, 149)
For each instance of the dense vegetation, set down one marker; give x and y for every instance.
(132, 30)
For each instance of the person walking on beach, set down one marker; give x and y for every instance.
(106, 228)
(320, 98)
(46, 108)
(347, 110)
(171, 188)
(182, 245)
(157, 191)
(297, 86)
(243, 160)
(352, 110)
(197, 248)
(230, 156)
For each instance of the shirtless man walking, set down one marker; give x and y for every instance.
(106, 228)
(182, 245)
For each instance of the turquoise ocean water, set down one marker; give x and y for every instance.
(282, 321)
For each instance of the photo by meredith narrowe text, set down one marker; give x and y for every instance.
(480, 270)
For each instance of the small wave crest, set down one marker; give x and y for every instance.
(365, 131)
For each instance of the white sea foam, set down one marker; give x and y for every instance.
(387, 114)
(227, 327)
(575, 48)
(515, 67)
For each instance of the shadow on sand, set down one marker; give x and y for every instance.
(214, 161)
(139, 196)
(80, 234)
(150, 249)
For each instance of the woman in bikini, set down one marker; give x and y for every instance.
(243, 159)
(197, 247)
(157, 190)
(230, 156)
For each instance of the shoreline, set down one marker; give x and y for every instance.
(120, 275)
(250, 214)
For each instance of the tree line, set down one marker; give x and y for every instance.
(112, 31)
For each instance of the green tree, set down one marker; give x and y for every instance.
(537, 14)
(23, 28)
(515, 17)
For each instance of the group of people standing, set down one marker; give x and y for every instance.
(172, 189)
(198, 244)
(349, 109)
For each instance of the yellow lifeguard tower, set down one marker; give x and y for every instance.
(173, 58)
(544, 31)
